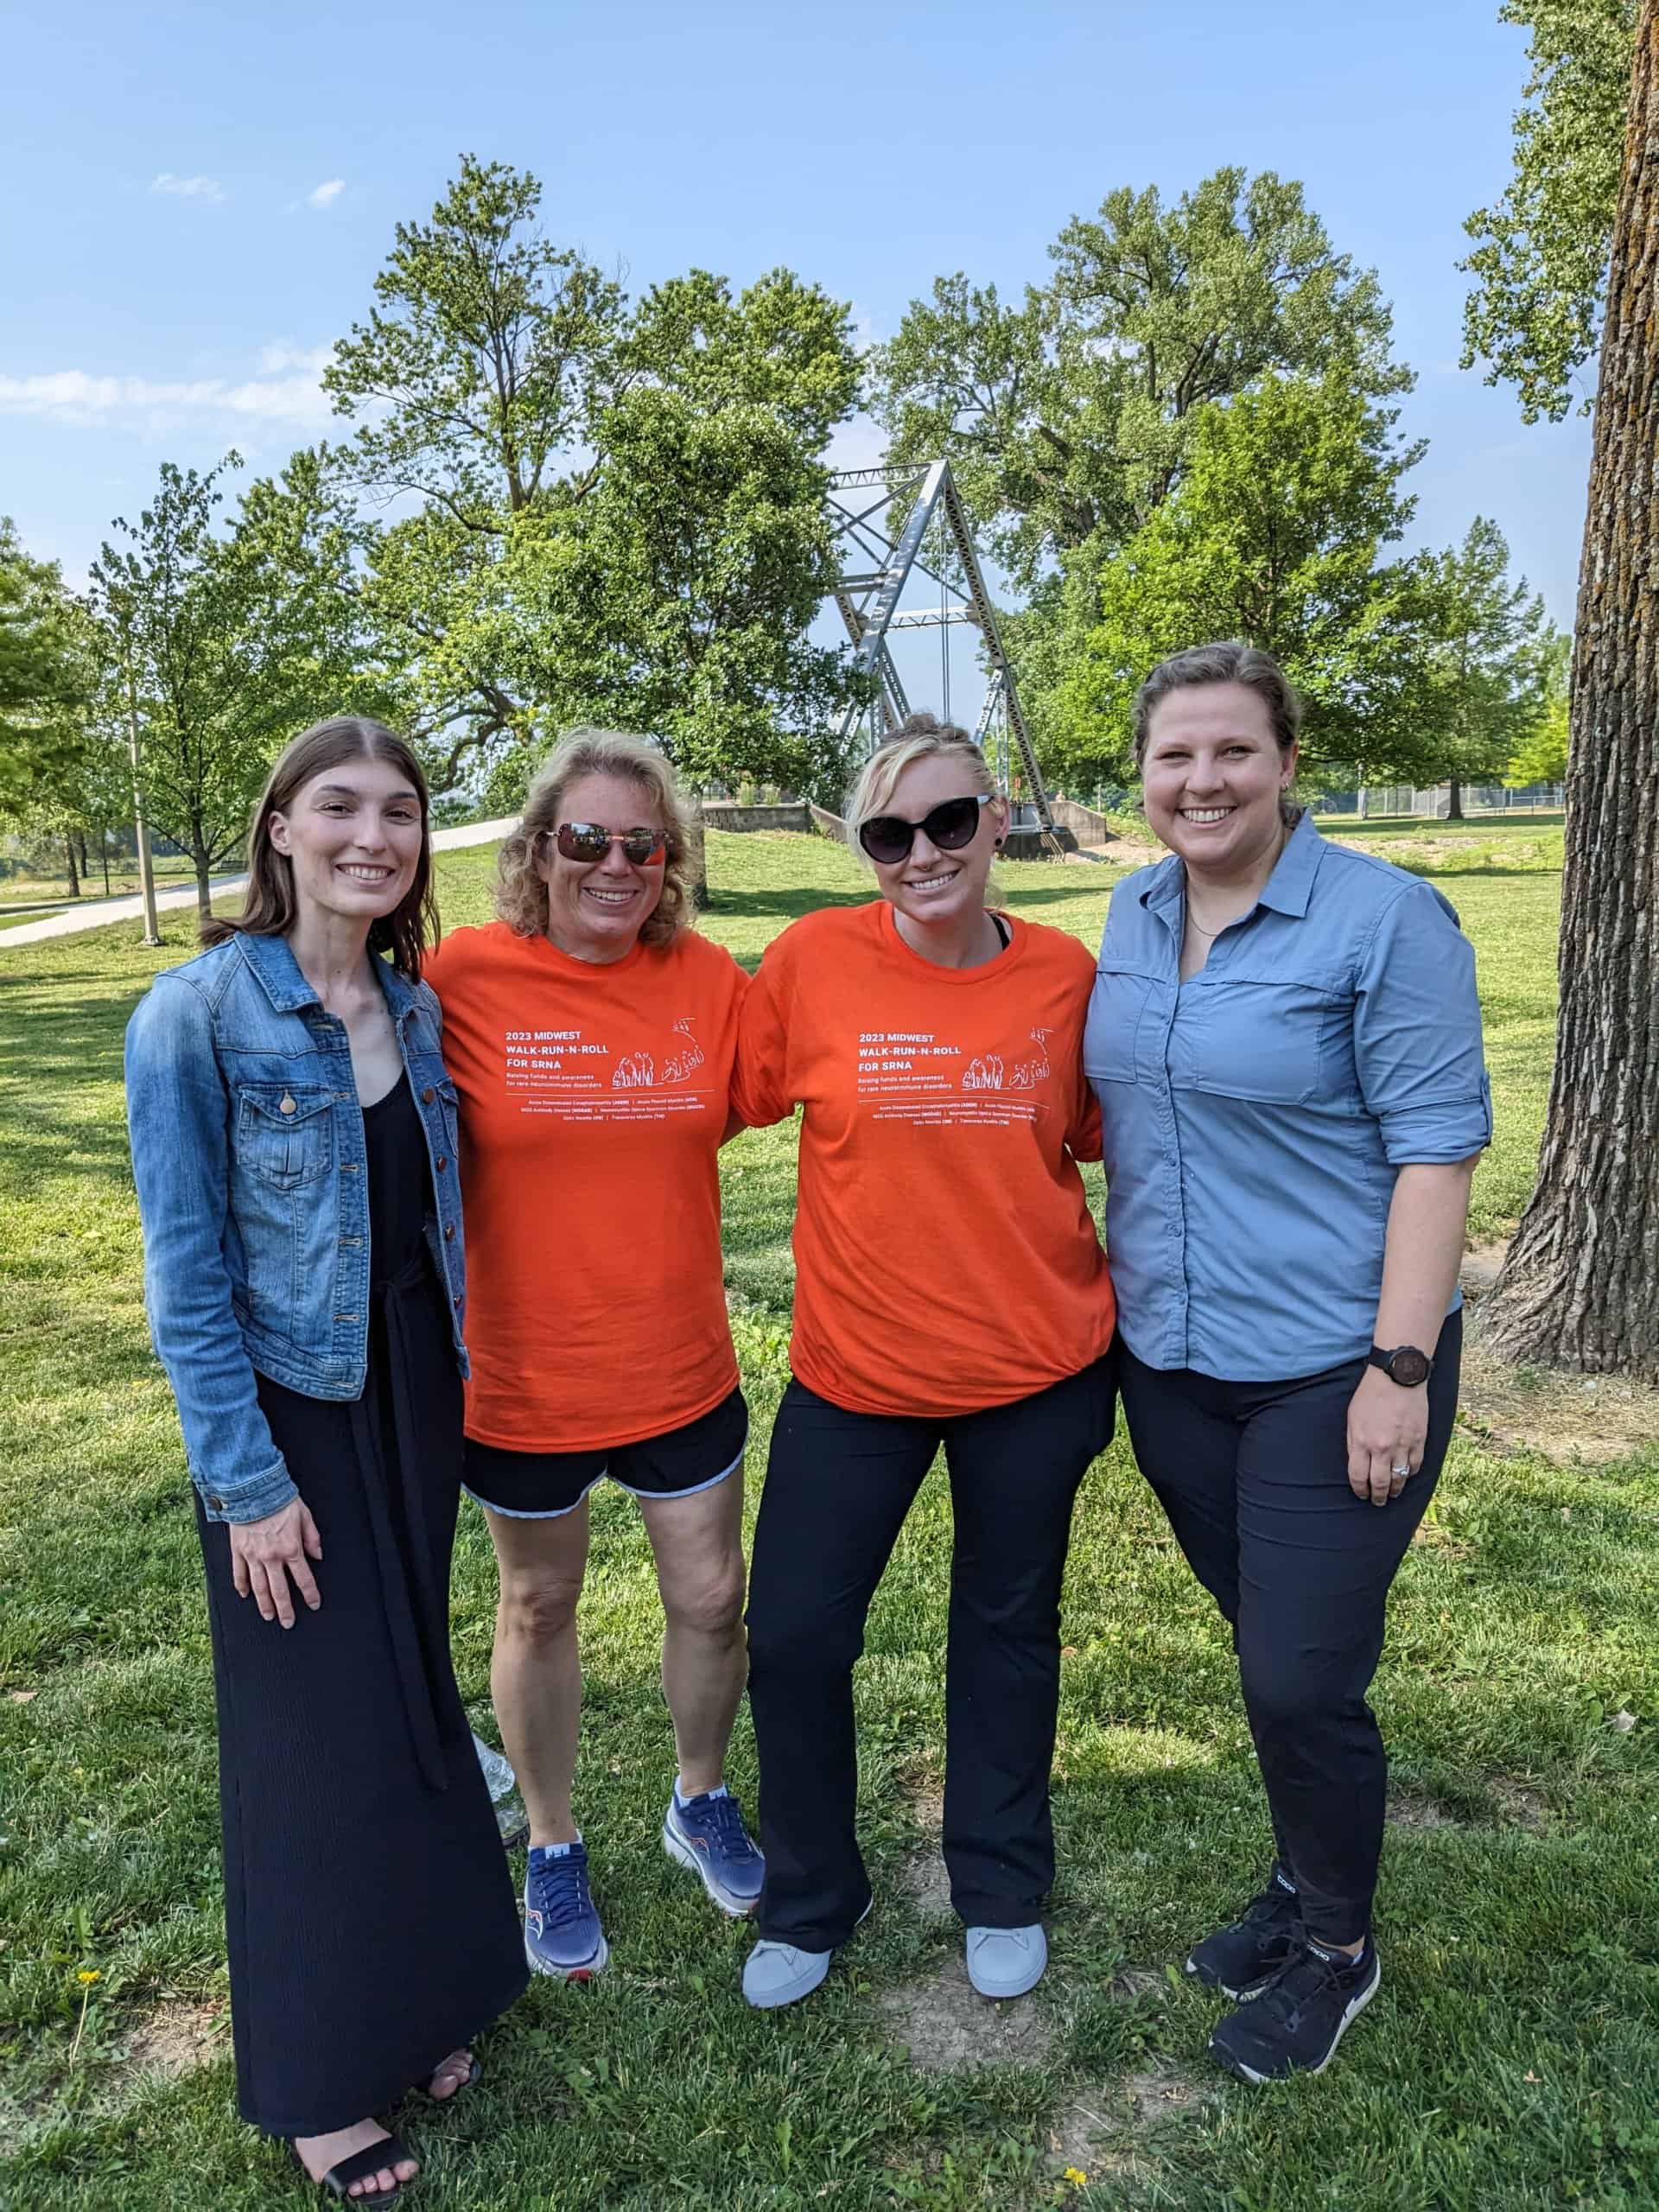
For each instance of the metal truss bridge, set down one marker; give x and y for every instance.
(933, 540)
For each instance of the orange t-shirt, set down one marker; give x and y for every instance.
(945, 1255)
(593, 1102)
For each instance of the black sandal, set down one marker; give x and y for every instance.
(476, 2074)
(361, 2163)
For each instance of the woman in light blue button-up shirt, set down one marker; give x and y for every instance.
(1285, 1039)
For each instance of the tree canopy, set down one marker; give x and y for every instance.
(1540, 261)
(618, 507)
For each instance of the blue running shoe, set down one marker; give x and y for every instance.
(563, 1936)
(707, 1834)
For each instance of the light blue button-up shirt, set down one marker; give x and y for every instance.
(1255, 1116)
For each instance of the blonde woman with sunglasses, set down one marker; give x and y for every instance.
(949, 1290)
(591, 1034)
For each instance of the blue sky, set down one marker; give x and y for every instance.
(197, 198)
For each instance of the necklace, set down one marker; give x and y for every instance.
(1211, 934)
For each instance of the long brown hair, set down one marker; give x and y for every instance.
(270, 908)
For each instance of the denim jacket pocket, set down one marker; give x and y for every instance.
(283, 1135)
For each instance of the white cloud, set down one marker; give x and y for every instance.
(325, 195)
(83, 401)
(284, 355)
(207, 189)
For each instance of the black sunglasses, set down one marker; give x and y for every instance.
(950, 825)
(588, 842)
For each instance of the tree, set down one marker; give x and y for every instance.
(45, 677)
(1541, 756)
(1288, 493)
(677, 597)
(232, 641)
(1069, 419)
(1541, 253)
(503, 382)
(1485, 672)
(1579, 1287)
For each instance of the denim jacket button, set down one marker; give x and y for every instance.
(443, 1162)
(427, 1096)
(217, 1505)
(457, 1302)
(449, 1234)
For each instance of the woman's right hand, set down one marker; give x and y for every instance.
(263, 1554)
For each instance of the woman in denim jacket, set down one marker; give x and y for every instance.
(1285, 1039)
(294, 1146)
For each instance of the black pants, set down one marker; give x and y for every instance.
(838, 1487)
(1254, 1476)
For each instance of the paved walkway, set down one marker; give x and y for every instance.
(102, 911)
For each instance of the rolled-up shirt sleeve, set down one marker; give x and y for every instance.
(1417, 1036)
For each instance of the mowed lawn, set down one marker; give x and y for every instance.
(1511, 2060)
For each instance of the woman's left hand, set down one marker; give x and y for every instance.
(1387, 1429)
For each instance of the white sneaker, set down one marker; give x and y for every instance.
(1005, 1961)
(777, 1973)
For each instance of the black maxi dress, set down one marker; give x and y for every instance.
(370, 1923)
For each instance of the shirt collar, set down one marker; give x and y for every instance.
(1288, 890)
(272, 962)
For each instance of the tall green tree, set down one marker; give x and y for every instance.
(232, 640)
(679, 596)
(44, 684)
(1070, 418)
(1540, 262)
(1288, 496)
(1485, 665)
(1580, 1287)
(1540, 755)
(503, 382)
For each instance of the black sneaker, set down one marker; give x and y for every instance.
(1297, 2021)
(1244, 1957)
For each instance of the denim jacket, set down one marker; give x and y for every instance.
(249, 1156)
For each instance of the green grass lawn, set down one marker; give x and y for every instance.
(1511, 2061)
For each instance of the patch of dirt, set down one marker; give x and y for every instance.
(1163, 2092)
(1073, 2138)
(1480, 1265)
(924, 1881)
(173, 2039)
(1416, 1808)
(1522, 1803)
(1596, 1418)
(944, 2025)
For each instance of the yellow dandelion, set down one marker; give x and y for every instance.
(1075, 2176)
(88, 1975)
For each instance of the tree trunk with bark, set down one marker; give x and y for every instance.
(1580, 1286)
(204, 866)
(74, 879)
(1454, 801)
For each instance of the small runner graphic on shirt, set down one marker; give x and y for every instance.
(929, 1080)
(571, 1073)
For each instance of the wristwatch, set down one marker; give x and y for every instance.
(1405, 1366)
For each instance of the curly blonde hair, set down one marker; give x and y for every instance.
(520, 892)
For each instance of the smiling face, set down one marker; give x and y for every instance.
(931, 886)
(1212, 776)
(352, 836)
(596, 909)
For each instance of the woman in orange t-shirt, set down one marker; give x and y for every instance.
(591, 1035)
(950, 1289)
